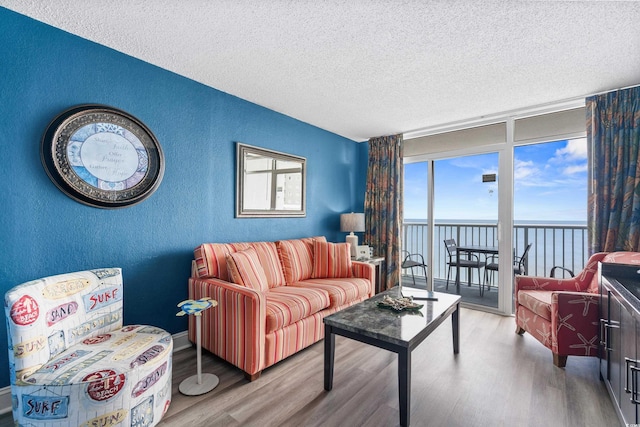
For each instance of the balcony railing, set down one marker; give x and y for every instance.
(563, 245)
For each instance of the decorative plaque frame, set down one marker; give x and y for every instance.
(102, 156)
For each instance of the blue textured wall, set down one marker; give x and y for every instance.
(44, 232)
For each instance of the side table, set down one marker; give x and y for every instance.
(200, 383)
(377, 263)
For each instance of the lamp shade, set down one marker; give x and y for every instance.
(351, 222)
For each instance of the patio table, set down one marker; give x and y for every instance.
(480, 249)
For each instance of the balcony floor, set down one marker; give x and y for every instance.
(470, 294)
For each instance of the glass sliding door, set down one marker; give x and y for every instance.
(465, 213)
(465, 208)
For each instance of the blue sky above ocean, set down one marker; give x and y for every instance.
(550, 185)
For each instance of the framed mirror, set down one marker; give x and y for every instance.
(269, 183)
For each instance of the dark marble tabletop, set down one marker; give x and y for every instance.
(401, 328)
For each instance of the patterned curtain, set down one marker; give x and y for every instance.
(383, 203)
(613, 143)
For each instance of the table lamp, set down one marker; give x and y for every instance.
(351, 222)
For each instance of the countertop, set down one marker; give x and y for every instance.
(624, 279)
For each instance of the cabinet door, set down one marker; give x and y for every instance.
(629, 377)
(616, 361)
(622, 342)
(605, 366)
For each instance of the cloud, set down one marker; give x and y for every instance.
(576, 149)
(572, 158)
(573, 169)
(529, 174)
(524, 169)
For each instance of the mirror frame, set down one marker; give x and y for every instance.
(241, 212)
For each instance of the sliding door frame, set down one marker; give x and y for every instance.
(505, 213)
(506, 161)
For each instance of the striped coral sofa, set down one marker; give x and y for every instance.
(272, 296)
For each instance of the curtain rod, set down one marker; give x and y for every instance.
(613, 90)
(565, 104)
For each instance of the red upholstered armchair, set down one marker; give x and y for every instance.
(561, 313)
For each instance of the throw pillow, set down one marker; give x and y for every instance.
(270, 262)
(245, 270)
(331, 260)
(297, 258)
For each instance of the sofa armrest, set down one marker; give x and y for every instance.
(545, 284)
(364, 270)
(235, 329)
(575, 319)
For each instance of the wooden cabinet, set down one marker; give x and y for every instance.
(619, 339)
(629, 365)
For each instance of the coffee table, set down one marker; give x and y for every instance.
(398, 332)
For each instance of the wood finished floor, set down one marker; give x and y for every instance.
(498, 379)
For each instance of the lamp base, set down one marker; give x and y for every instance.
(190, 386)
(352, 239)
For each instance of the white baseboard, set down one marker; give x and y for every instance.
(180, 342)
(5, 400)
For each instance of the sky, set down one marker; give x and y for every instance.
(550, 183)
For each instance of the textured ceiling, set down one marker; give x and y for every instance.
(363, 68)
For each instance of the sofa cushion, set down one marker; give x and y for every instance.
(268, 256)
(211, 260)
(129, 349)
(296, 257)
(539, 302)
(341, 291)
(286, 305)
(245, 270)
(119, 377)
(331, 260)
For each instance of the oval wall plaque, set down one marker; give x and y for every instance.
(102, 156)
